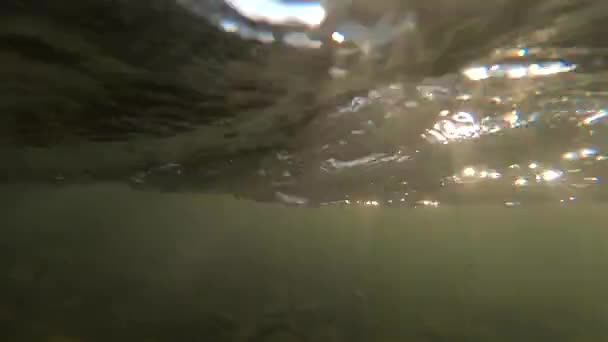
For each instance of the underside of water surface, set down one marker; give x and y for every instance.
(414, 103)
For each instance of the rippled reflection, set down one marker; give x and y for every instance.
(517, 71)
(523, 121)
(510, 133)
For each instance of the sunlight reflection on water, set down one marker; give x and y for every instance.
(524, 102)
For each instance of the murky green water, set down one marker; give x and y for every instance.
(106, 263)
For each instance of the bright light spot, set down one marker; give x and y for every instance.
(469, 172)
(372, 203)
(483, 174)
(512, 118)
(572, 198)
(522, 52)
(495, 175)
(517, 72)
(477, 73)
(444, 112)
(570, 156)
(511, 204)
(428, 203)
(437, 135)
(463, 117)
(497, 99)
(592, 179)
(594, 118)
(337, 37)
(520, 182)
(550, 68)
(600, 158)
(464, 97)
(588, 152)
(347, 201)
(229, 26)
(311, 14)
(533, 166)
(459, 126)
(514, 166)
(551, 175)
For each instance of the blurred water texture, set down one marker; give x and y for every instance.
(129, 128)
(524, 121)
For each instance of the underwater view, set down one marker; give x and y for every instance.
(301, 170)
